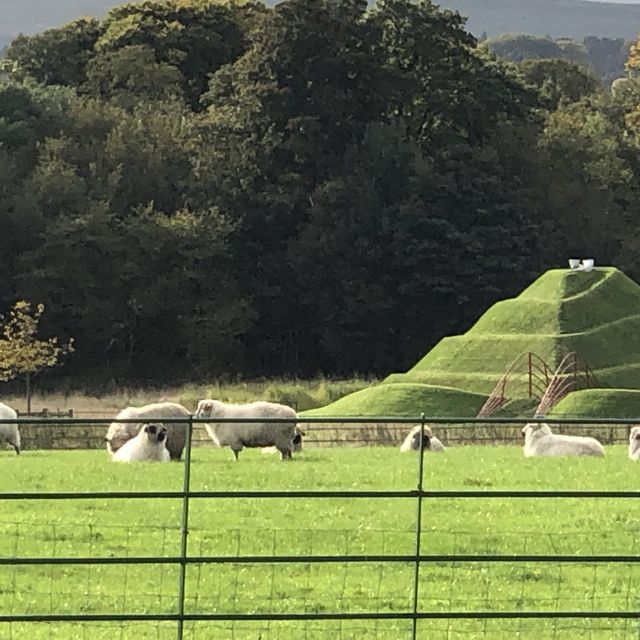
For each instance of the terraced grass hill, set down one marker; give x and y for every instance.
(596, 314)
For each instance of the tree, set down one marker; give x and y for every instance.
(56, 56)
(558, 81)
(21, 351)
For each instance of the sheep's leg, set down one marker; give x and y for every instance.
(16, 449)
(285, 454)
(236, 453)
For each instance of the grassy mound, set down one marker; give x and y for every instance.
(596, 314)
(405, 399)
(599, 403)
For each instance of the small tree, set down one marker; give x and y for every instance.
(21, 351)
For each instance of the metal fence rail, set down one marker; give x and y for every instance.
(184, 558)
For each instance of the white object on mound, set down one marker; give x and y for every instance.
(412, 441)
(148, 446)
(634, 444)
(540, 441)
(121, 432)
(237, 435)
(9, 433)
(297, 443)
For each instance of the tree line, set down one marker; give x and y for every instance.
(198, 189)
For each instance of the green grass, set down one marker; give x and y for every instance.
(322, 526)
(599, 403)
(405, 399)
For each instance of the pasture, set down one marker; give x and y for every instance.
(322, 526)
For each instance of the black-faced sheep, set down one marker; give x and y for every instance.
(149, 445)
(412, 441)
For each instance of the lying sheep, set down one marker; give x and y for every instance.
(412, 441)
(540, 441)
(634, 444)
(237, 435)
(148, 446)
(121, 432)
(297, 443)
(9, 433)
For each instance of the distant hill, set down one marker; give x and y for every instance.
(556, 18)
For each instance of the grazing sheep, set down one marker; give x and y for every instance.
(148, 446)
(121, 432)
(412, 441)
(297, 443)
(634, 444)
(238, 435)
(540, 441)
(9, 431)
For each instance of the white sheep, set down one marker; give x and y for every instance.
(121, 432)
(412, 441)
(149, 445)
(9, 433)
(237, 435)
(540, 441)
(634, 444)
(297, 443)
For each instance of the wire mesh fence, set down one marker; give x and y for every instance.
(176, 556)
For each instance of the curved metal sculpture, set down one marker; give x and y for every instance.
(572, 374)
(526, 364)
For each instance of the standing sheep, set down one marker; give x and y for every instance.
(412, 441)
(148, 446)
(634, 444)
(9, 433)
(540, 441)
(121, 432)
(237, 435)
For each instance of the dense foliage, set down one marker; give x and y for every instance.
(199, 189)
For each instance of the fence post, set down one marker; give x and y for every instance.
(184, 529)
(416, 576)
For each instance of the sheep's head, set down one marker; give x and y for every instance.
(207, 408)
(415, 437)
(155, 433)
(536, 429)
(297, 439)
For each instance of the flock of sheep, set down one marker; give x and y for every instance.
(146, 438)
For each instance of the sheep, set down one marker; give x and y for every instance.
(148, 445)
(121, 432)
(297, 443)
(237, 435)
(540, 441)
(412, 441)
(634, 444)
(9, 433)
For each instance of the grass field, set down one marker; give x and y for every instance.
(321, 526)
